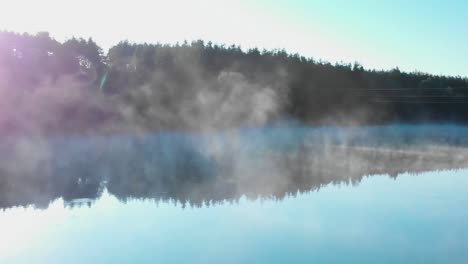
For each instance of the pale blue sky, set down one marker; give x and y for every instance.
(427, 35)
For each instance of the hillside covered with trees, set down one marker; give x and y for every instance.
(49, 87)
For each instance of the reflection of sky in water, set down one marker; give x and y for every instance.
(413, 219)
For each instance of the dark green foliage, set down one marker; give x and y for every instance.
(142, 80)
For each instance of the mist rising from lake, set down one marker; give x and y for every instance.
(198, 168)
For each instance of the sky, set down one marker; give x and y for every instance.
(424, 35)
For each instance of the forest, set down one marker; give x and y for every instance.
(74, 87)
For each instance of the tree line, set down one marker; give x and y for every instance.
(73, 86)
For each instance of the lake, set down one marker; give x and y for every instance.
(285, 194)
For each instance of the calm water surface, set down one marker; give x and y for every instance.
(276, 197)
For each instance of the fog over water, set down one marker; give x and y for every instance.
(215, 167)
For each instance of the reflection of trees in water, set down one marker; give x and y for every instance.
(202, 170)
